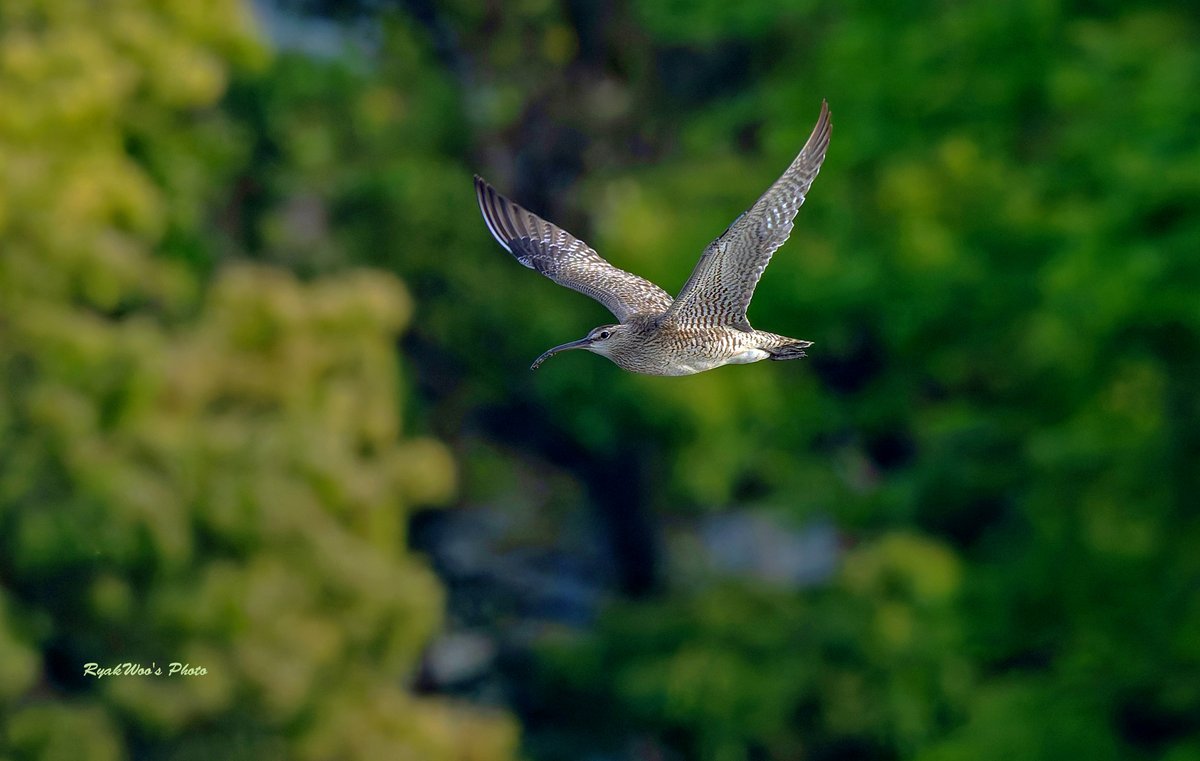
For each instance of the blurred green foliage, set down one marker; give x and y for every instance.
(870, 665)
(997, 264)
(192, 469)
(998, 268)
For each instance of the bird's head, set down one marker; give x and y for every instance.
(600, 340)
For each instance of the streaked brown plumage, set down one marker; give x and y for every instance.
(705, 326)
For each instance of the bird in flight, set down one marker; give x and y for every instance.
(705, 326)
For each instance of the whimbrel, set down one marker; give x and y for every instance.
(705, 326)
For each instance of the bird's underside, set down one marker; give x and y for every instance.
(705, 326)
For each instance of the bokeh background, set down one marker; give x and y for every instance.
(265, 405)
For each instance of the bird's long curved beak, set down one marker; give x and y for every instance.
(582, 343)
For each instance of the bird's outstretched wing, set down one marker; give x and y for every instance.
(720, 287)
(565, 259)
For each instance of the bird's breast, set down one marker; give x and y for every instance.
(688, 352)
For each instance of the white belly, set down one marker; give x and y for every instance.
(692, 365)
(746, 357)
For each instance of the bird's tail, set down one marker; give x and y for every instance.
(791, 348)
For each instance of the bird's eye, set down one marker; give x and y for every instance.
(604, 334)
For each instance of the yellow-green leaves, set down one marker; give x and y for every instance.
(203, 469)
